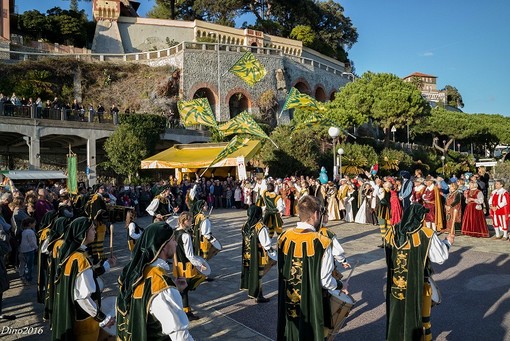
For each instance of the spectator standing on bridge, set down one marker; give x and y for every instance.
(114, 111)
(39, 107)
(100, 112)
(56, 103)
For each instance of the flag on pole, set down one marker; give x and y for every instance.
(197, 111)
(231, 147)
(72, 172)
(295, 99)
(249, 69)
(243, 124)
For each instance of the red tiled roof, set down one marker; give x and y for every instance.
(419, 74)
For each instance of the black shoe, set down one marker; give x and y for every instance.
(262, 299)
(209, 279)
(192, 317)
(8, 317)
(380, 246)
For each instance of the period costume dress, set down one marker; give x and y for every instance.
(432, 201)
(384, 210)
(303, 255)
(256, 248)
(333, 209)
(473, 223)
(500, 201)
(274, 208)
(396, 208)
(149, 307)
(453, 209)
(410, 247)
(417, 196)
(77, 301)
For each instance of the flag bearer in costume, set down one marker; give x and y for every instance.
(97, 212)
(432, 202)
(161, 207)
(305, 266)
(149, 306)
(256, 248)
(52, 248)
(76, 307)
(410, 247)
(384, 209)
(499, 202)
(185, 261)
(134, 232)
(274, 208)
(201, 229)
(260, 188)
(42, 257)
(337, 249)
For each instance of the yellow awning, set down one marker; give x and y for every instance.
(199, 155)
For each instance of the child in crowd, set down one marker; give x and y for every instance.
(238, 196)
(210, 200)
(27, 248)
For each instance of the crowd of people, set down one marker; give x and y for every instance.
(64, 235)
(44, 108)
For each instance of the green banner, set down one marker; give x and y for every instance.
(72, 182)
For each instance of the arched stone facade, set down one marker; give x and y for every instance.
(302, 85)
(319, 93)
(245, 105)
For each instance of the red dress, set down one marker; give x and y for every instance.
(395, 208)
(473, 223)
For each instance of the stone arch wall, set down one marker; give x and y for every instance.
(303, 81)
(244, 92)
(319, 93)
(332, 95)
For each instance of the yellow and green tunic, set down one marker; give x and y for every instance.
(69, 320)
(140, 324)
(254, 259)
(300, 293)
(408, 267)
(272, 216)
(96, 212)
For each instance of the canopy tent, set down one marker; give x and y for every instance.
(32, 174)
(192, 157)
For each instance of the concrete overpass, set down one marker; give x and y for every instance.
(48, 141)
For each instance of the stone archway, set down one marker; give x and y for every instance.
(332, 95)
(237, 103)
(206, 93)
(302, 85)
(320, 94)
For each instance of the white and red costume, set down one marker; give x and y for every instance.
(500, 199)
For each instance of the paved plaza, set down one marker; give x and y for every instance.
(474, 283)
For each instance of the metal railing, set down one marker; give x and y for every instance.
(172, 51)
(7, 109)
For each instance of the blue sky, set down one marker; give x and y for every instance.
(465, 43)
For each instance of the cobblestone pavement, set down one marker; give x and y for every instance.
(474, 283)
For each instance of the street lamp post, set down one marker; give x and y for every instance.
(442, 162)
(334, 132)
(340, 153)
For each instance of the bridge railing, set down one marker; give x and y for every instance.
(171, 51)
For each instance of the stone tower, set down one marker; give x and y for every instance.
(107, 38)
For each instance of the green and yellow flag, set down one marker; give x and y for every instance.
(197, 111)
(249, 69)
(314, 118)
(231, 147)
(295, 99)
(242, 124)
